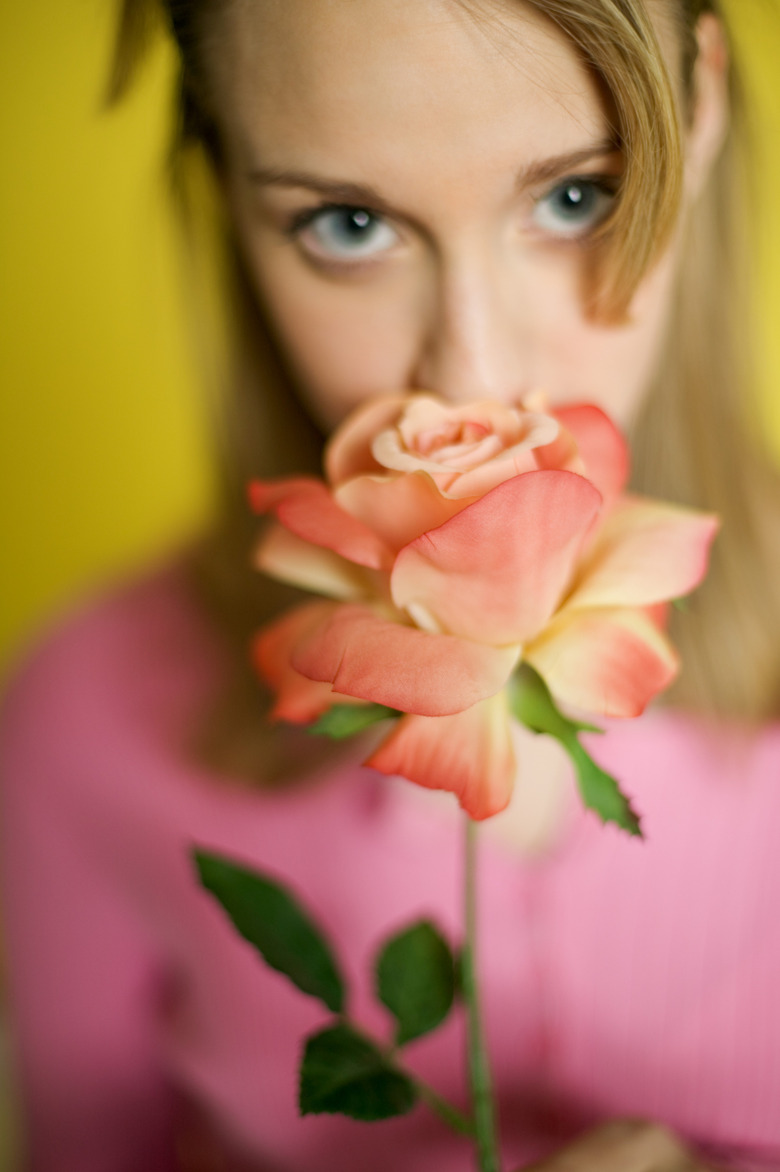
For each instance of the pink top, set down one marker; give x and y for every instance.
(620, 978)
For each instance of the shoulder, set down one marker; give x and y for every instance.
(125, 667)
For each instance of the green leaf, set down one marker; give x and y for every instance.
(344, 1073)
(270, 918)
(415, 974)
(601, 792)
(534, 707)
(345, 720)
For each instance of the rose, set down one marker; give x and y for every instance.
(465, 450)
(456, 542)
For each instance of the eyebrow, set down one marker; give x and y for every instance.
(341, 191)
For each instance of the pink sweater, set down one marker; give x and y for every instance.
(620, 978)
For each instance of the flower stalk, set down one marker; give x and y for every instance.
(479, 1069)
(448, 1114)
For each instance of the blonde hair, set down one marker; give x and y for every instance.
(695, 430)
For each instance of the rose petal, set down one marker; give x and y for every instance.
(646, 552)
(348, 452)
(608, 662)
(298, 699)
(397, 507)
(658, 614)
(463, 454)
(469, 754)
(562, 453)
(479, 481)
(496, 571)
(288, 558)
(377, 659)
(306, 507)
(265, 495)
(601, 446)
(466, 467)
(429, 415)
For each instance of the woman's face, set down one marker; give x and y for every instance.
(415, 184)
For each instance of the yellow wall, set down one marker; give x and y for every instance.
(756, 27)
(103, 442)
(103, 445)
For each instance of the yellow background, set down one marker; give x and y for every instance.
(104, 443)
(103, 436)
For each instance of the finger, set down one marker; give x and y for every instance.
(622, 1146)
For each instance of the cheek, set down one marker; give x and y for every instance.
(341, 344)
(612, 366)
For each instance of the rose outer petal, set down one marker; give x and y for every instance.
(298, 699)
(348, 452)
(397, 507)
(469, 754)
(306, 507)
(646, 552)
(601, 446)
(265, 495)
(379, 660)
(608, 662)
(290, 559)
(496, 571)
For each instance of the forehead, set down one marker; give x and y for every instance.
(388, 84)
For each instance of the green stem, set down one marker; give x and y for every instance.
(479, 1071)
(448, 1113)
(445, 1110)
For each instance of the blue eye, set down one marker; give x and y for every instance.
(573, 208)
(344, 233)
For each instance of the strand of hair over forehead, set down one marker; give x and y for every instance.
(618, 39)
(139, 22)
(180, 14)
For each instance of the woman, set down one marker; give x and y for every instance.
(483, 200)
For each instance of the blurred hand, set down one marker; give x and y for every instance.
(623, 1146)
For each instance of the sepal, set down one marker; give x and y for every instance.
(531, 703)
(346, 720)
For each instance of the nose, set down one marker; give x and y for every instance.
(474, 340)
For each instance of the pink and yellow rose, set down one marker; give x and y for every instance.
(453, 543)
